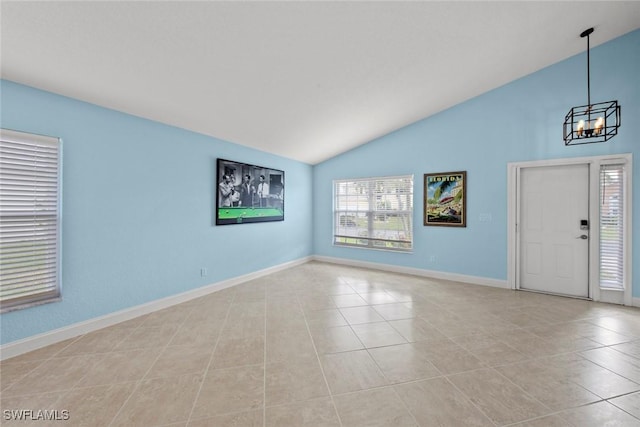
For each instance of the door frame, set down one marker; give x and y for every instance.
(513, 218)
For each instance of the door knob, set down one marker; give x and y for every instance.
(583, 237)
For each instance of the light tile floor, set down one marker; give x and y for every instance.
(328, 345)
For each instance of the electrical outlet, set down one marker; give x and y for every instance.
(484, 217)
(432, 258)
(203, 272)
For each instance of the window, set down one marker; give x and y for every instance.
(30, 195)
(612, 226)
(375, 213)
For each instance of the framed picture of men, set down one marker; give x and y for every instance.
(248, 193)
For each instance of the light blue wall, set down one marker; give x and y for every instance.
(138, 202)
(520, 121)
(138, 209)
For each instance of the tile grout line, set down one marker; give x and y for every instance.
(445, 376)
(468, 398)
(206, 370)
(65, 392)
(393, 386)
(139, 382)
(579, 353)
(315, 349)
(560, 411)
(514, 384)
(163, 348)
(41, 362)
(105, 353)
(230, 299)
(264, 364)
(404, 404)
(622, 409)
(389, 384)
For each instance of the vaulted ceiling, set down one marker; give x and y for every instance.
(305, 80)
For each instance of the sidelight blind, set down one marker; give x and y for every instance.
(612, 226)
(30, 196)
(374, 213)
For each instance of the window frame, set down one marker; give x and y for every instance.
(52, 288)
(373, 199)
(612, 222)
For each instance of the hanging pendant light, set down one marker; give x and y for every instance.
(591, 123)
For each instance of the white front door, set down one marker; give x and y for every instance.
(554, 250)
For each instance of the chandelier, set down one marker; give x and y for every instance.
(591, 123)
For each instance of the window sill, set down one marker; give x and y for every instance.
(29, 304)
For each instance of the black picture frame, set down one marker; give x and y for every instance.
(445, 199)
(262, 200)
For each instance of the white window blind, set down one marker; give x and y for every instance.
(612, 226)
(374, 213)
(30, 190)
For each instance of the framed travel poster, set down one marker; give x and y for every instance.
(248, 193)
(445, 199)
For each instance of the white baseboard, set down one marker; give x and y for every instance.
(35, 342)
(476, 280)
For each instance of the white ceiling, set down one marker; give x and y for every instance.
(304, 80)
